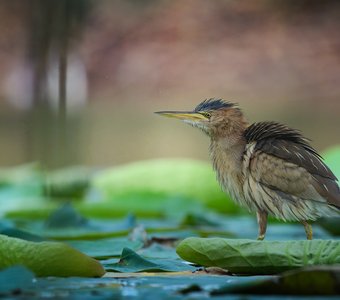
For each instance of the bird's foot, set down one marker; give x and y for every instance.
(308, 230)
(262, 221)
(260, 237)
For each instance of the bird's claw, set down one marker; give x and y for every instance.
(260, 237)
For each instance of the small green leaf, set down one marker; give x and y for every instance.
(258, 257)
(130, 261)
(47, 258)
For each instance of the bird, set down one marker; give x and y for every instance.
(266, 167)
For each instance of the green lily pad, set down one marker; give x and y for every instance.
(95, 230)
(26, 177)
(258, 257)
(164, 178)
(68, 183)
(47, 258)
(104, 248)
(141, 205)
(64, 217)
(38, 208)
(199, 220)
(130, 261)
(159, 251)
(66, 224)
(320, 280)
(14, 278)
(21, 189)
(331, 224)
(21, 234)
(148, 206)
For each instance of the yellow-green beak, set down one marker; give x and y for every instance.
(182, 115)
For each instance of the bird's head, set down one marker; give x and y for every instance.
(215, 117)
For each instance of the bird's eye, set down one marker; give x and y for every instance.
(206, 114)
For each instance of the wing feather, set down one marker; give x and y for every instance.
(283, 160)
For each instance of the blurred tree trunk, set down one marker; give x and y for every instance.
(54, 25)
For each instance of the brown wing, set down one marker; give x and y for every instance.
(283, 160)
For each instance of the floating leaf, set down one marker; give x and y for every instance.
(91, 229)
(65, 216)
(40, 208)
(21, 188)
(158, 251)
(331, 224)
(21, 234)
(199, 220)
(258, 257)
(15, 278)
(130, 261)
(164, 178)
(320, 280)
(26, 177)
(148, 206)
(142, 205)
(104, 248)
(47, 258)
(67, 183)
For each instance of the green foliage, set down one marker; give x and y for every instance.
(332, 159)
(331, 224)
(21, 188)
(143, 205)
(150, 188)
(170, 201)
(258, 257)
(64, 217)
(68, 183)
(27, 177)
(21, 234)
(311, 281)
(104, 248)
(164, 178)
(47, 258)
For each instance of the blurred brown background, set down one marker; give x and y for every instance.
(79, 79)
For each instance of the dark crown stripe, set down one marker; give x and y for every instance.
(213, 104)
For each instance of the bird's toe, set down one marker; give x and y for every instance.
(260, 237)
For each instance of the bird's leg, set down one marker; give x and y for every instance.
(262, 222)
(308, 229)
